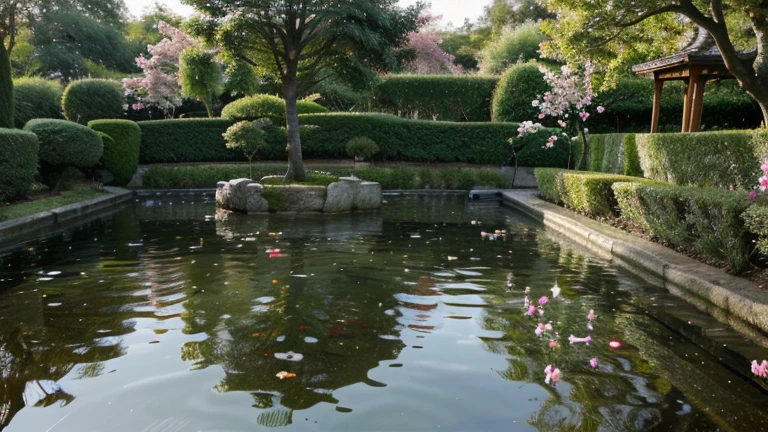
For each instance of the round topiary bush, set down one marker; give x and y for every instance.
(265, 106)
(36, 98)
(92, 99)
(121, 155)
(64, 144)
(18, 163)
(517, 88)
(362, 147)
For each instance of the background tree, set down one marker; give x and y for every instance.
(590, 29)
(428, 57)
(299, 38)
(515, 44)
(18, 15)
(200, 76)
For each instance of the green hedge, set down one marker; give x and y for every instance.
(64, 144)
(586, 192)
(434, 178)
(266, 106)
(36, 98)
(756, 220)
(707, 159)
(121, 157)
(440, 97)
(93, 99)
(707, 221)
(517, 88)
(425, 141)
(613, 154)
(18, 163)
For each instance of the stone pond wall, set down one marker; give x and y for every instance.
(345, 195)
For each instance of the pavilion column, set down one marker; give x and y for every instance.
(659, 85)
(690, 89)
(698, 105)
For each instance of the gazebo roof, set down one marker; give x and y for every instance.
(702, 50)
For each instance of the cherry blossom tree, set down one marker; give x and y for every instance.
(429, 58)
(160, 84)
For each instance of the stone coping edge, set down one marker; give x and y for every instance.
(154, 192)
(32, 225)
(676, 272)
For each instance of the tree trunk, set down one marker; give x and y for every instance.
(6, 89)
(296, 166)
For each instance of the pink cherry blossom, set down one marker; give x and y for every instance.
(543, 300)
(562, 124)
(531, 310)
(614, 344)
(591, 315)
(764, 167)
(752, 195)
(594, 362)
(584, 115)
(573, 339)
(763, 182)
(600, 109)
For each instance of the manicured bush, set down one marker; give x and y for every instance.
(18, 163)
(64, 144)
(547, 179)
(613, 154)
(517, 88)
(756, 220)
(631, 160)
(596, 152)
(438, 97)
(266, 106)
(362, 147)
(711, 159)
(707, 221)
(36, 98)
(92, 99)
(434, 178)
(590, 193)
(121, 156)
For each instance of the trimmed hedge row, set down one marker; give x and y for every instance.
(266, 106)
(121, 156)
(586, 192)
(434, 178)
(18, 163)
(614, 154)
(705, 220)
(712, 159)
(438, 97)
(36, 98)
(426, 141)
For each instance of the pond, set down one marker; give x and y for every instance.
(169, 316)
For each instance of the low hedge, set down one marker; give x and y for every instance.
(434, 178)
(614, 154)
(266, 106)
(704, 220)
(64, 144)
(93, 99)
(586, 192)
(36, 98)
(439, 97)
(729, 159)
(121, 159)
(425, 141)
(18, 163)
(756, 220)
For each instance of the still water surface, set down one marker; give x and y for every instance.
(166, 316)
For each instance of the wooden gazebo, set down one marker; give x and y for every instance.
(695, 64)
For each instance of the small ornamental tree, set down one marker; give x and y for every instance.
(428, 57)
(568, 103)
(200, 77)
(247, 137)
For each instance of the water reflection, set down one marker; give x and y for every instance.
(399, 320)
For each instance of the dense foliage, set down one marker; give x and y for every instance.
(444, 98)
(36, 98)
(64, 144)
(18, 163)
(121, 156)
(515, 44)
(362, 147)
(92, 99)
(703, 220)
(434, 178)
(512, 97)
(200, 76)
(266, 106)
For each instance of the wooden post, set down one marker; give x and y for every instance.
(659, 84)
(690, 88)
(698, 105)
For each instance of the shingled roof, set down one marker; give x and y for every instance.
(702, 50)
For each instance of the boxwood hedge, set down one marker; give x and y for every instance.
(36, 98)
(121, 156)
(92, 99)
(18, 163)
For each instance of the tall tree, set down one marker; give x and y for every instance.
(16, 15)
(588, 26)
(299, 38)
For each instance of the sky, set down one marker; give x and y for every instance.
(452, 10)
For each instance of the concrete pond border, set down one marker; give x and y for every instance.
(34, 226)
(706, 287)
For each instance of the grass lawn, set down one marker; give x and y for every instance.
(44, 201)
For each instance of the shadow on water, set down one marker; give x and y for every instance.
(401, 319)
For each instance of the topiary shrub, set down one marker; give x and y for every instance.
(248, 137)
(515, 44)
(121, 153)
(265, 106)
(362, 147)
(36, 98)
(591, 193)
(92, 99)
(64, 144)
(18, 163)
(547, 179)
(517, 88)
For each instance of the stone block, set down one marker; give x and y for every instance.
(341, 195)
(300, 198)
(256, 203)
(368, 196)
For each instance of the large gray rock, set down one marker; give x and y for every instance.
(341, 195)
(256, 203)
(238, 194)
(299, 198)
(368, 196)
(222, 194)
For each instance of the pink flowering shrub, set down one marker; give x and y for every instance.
(160, 84)
(429, 58)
